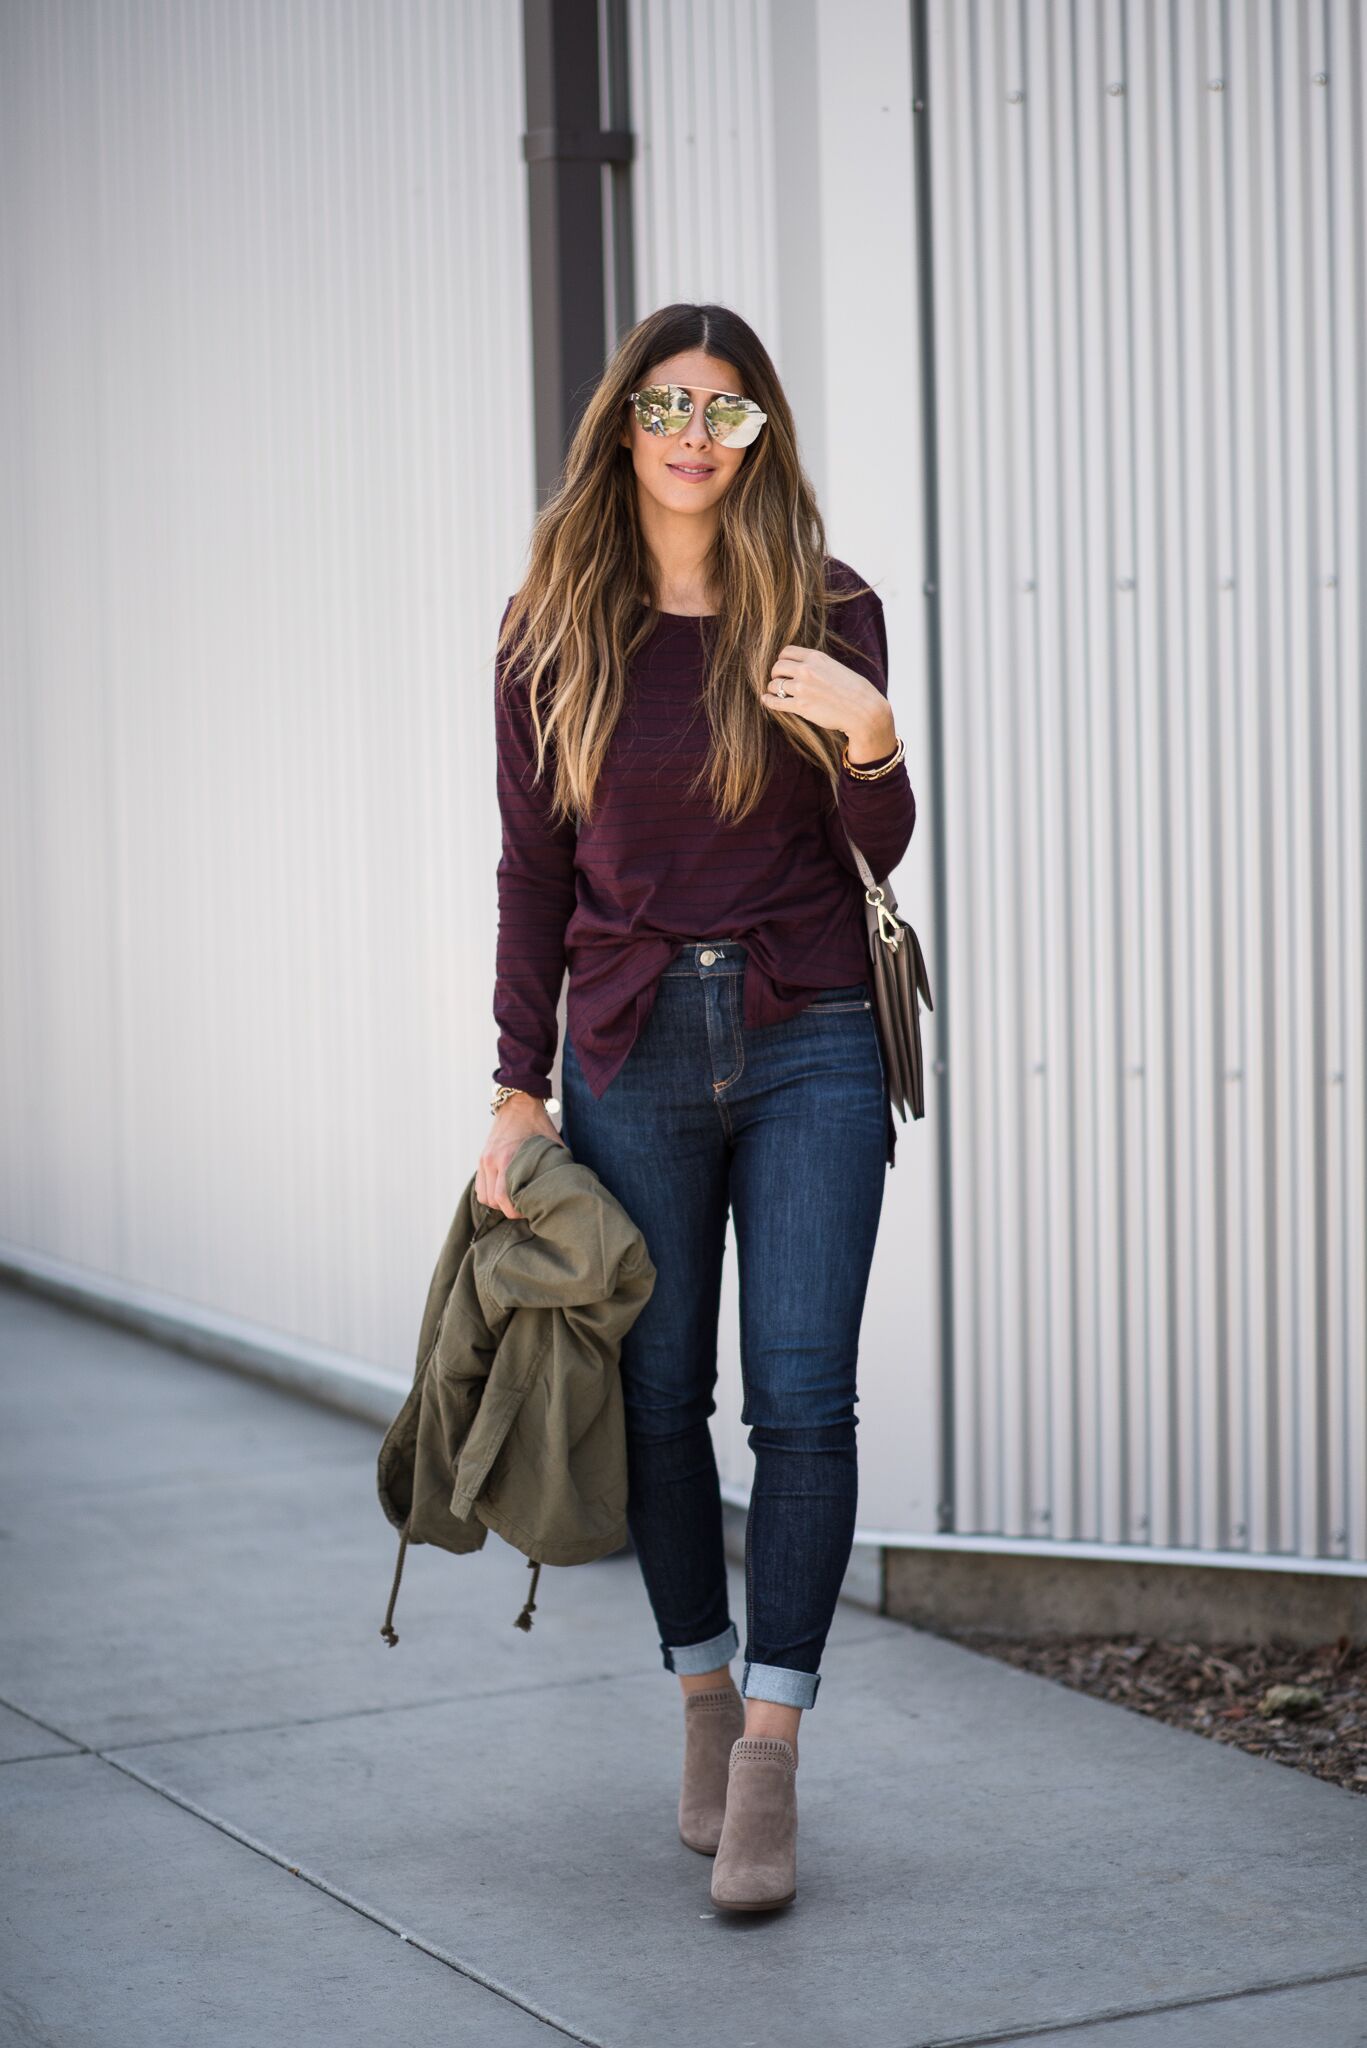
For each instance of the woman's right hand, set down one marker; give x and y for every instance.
(521, 1117)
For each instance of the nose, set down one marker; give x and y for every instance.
(695, 434)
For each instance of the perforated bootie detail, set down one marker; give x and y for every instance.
(712, 1721)
(756, 1865)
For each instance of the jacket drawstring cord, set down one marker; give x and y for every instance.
(388, 1630)
(524, 1620)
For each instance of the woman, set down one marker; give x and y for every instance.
(691, 708)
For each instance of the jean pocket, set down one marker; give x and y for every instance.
(831, 1001)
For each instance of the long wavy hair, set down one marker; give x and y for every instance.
(588, 601)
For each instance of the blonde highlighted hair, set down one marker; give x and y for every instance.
(587, 600)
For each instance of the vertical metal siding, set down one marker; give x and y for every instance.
(701, 78)
(265, 266)
(1150, 226)
(773, 173)
(264, 411)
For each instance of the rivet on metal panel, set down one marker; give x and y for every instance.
(1115, 90)
(1028, 585)
(1320, 78)
(1124, 583)
(1016, 97)
(1216, 85)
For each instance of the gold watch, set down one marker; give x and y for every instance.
(502, 1092)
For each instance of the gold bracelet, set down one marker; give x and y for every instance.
(872, 774)
(504, 1093)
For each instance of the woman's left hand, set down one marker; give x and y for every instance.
(828, 693)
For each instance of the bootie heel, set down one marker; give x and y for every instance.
(756, 1866)
(712, 1722)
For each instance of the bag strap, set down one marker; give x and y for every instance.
(866, 875)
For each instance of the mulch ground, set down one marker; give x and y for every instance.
(1221, 1692)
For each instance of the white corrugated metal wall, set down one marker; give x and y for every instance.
(1149, 281)
(773, 164)
(267, 476)
(266, 394)
(258, 504)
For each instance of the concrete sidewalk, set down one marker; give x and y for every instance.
(224, 1797)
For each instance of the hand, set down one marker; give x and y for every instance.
(828, 693)
(520, 1118)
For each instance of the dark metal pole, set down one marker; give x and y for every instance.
(944, 1001)
(621, 308)
(565, 147)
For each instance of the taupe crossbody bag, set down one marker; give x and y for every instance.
(900, 983)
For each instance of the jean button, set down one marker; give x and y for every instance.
(707, 958)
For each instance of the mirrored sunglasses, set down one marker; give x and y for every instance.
(667, 409)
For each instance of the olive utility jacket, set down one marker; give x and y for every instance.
(515, 1418)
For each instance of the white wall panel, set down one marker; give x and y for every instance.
(268, 476)
(265, 442)
(703, 184)
(1149, 234)
(774, 175)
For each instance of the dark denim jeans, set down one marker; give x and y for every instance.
(783, 1126)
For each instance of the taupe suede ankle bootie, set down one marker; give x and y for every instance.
(756, 1865)
(712, 1721)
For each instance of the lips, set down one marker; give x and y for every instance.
(690, 469)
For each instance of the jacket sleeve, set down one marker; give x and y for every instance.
(576, 1250)
(536, 894)
(880, 815)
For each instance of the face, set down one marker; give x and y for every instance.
(687, 471)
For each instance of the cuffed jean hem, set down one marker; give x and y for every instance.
(777, 1682)
(691, 1658)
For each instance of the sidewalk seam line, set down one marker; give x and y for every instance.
(322, 1885)
(347, 1899)
(38, 1722)
(1115, 2015)
(444, 1699)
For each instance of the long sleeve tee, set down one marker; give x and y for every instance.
(615, 899)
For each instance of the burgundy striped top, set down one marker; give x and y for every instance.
(654, 870)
